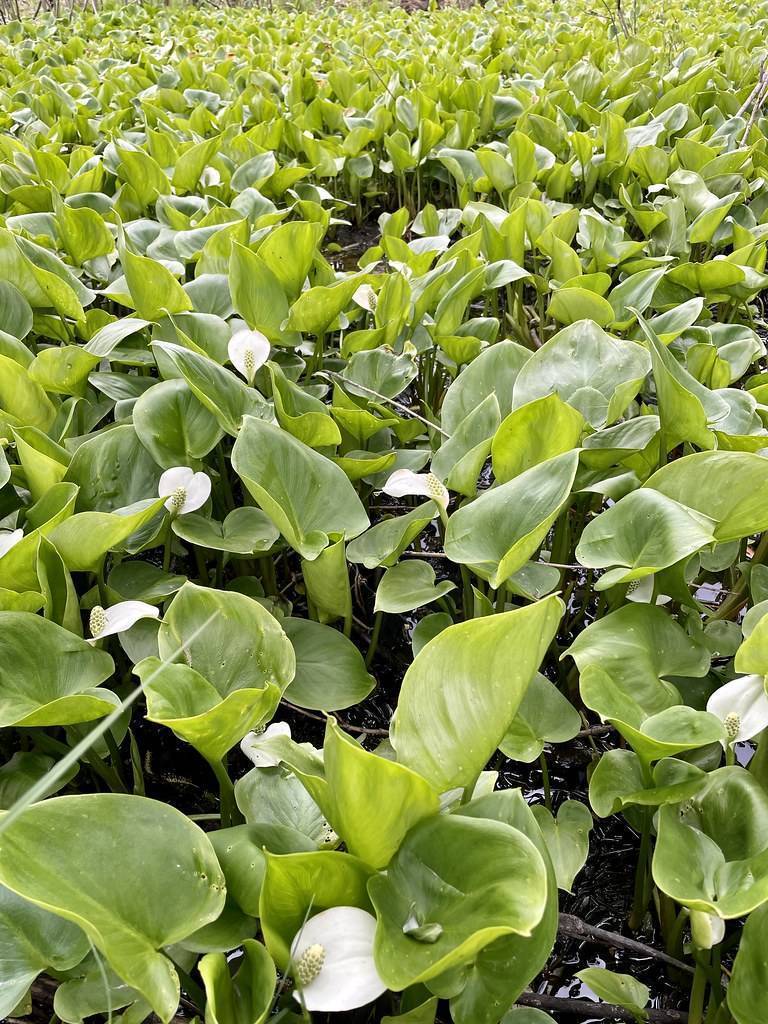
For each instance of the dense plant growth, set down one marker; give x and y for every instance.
(384, 411)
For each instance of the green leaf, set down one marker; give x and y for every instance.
(385, 542)
(155, 292)
(620, 989)
(49, 676)
(330, 671)
(25, 769)
(409, 585)
(372, 802)
(299, 885)
(545, 715)
(567, 839)
(641, 534)
(498, 532)
(534, 433)
(258, 295)
(223, 394)
(229, 639)
(245, 997)
(184, 701)
(463, 689)
(245, 531)
(174, 427)
(590, 370)
(82, 540)
(426, 884)
(291, 482)
(639, 646)
(711, 851)
(750, 970)
(497, 975)
(182, 884)
(724, 486)
(569, 305)
(33, 940)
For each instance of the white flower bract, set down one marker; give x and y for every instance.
(9, 540)
(256, 745)
(185, 490)
(248, 350)
(405, 481)
(333, 958)
(742, 706)
(119, 617)
(707, 930)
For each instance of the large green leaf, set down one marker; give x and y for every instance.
(330, 671)
(461, 693)
(32, 940)
(500, 971)
(712, 851)
(291, 483)
(299, 885)
(642, 534)
(498, 532)
(229, 639)
(182, 884)
(246, 997)
(749, 981)
(590, 370)
(725, 486)
(456, 884)
(49, 676)
(639, 647)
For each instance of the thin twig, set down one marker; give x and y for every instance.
(575, 928)
(383, 398)
(603, 1011)
(348, 726)
(594, 730)
(760, 97)
(745, 105)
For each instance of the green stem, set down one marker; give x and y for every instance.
(114, 753)
(101, 585)
(202, 566)
(229, 499)
(737, 599)
(268, 578)
(545, 781)
(501, 598)
(374, 642)
(107, 774)
(167, 544)
(229, 813)
(639, 903)
(698, 991)
(467, 597)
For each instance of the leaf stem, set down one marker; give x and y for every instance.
(229, 813)
(698, 991)
(374, 642)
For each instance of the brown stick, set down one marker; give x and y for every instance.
(347, 726)
(604, 1011)
(575, 928)
(595, 730)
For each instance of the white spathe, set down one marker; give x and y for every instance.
(742, 706)
(707, 930)
(248, 350)
(9, 540)
(256, 745)
(185, 490)
(119, 617)
(405, 481)
(339, 972)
